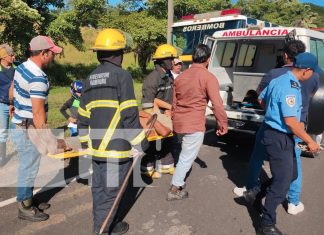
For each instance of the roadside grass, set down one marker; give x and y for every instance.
(57, 97)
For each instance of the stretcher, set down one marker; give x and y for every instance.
(77, 151)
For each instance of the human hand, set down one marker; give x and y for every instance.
(11, 110)
(73, 120)
(167, 113)
(221, 131)
(313, 147)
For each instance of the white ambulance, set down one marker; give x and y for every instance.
(241, 57)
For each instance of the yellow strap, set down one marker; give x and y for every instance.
(109, 153)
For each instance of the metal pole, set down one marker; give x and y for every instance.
(170, 20)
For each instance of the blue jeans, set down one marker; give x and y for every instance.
(256, 161)
(4, 122)
(191, 144)
(296, 185)
(29, 160)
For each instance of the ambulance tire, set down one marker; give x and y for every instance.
(315, 123)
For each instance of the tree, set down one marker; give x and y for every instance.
(282, 12)
(22, 20)
(147, 32)
(186, 7)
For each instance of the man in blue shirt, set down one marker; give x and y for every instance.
(7, 70)
(30, 94)
(308, 89)
(283, 102)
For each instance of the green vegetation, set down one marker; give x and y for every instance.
(320, 11)
(57, 97)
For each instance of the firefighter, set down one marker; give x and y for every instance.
(159, 84)
(107, 110)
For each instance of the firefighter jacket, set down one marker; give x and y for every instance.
(158, 84)
(108, 119)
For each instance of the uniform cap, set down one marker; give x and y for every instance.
(43, 43)
(306, 60)
(177, 61)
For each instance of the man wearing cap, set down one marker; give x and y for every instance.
(283, 101)
(7, 70)
(176, 67)
(308, 88)
(30, 102)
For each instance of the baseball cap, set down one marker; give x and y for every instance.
(306, 60)
(5, 50)
(42, 43)
(177, 61)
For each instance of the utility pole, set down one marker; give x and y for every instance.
(170, 20)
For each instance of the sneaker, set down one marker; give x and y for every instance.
(295, 209)
(268, 230)
(177, 195)
(120, 228)
(166, 170)
(239, 191)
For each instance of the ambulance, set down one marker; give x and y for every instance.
(239, 60)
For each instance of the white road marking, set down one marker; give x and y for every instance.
(63, 182)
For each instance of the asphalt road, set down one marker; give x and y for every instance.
(210, 209)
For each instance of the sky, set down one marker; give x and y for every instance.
(316, 2)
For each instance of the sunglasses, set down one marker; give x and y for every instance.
(178, 64)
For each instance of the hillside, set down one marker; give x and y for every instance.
(320, 10)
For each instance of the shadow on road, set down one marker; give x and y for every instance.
(237, 148)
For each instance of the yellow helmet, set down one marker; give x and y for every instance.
(110, 40)
(165, 51)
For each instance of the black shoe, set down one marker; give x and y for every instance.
(249, 196)
(268, 230)
(120, 228)
(32, 214)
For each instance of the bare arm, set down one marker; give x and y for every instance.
(298, 129)
(11, 96)
(217, 102)
(39, 114)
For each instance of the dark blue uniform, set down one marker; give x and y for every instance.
(283, 99)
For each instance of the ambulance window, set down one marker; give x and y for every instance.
(320, 53)
(246, 55)
(317, 48)
(225, 54)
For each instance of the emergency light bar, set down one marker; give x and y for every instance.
(212, 14)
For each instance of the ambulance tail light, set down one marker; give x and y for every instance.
(233, 11)
(188, 17)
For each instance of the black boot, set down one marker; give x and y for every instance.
(27, 211)
(268, 230)
(120, 228)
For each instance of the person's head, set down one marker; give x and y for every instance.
(109, 45)
(201, 54)
(7, 56)
(305, 64)
(42, 50)
(76, 89)
(164, 56)
(291, 49)
(177, 65)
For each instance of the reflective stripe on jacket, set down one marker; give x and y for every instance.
(108, 114)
